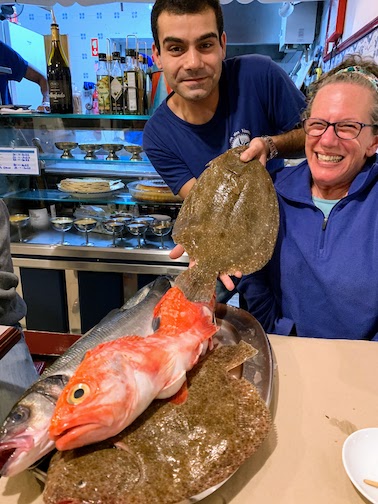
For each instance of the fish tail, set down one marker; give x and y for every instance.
(197, 284)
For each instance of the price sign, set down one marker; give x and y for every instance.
(94, 46)
(19, 161)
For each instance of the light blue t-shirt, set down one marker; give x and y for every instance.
(325, 205)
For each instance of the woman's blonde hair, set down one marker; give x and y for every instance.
(354, 69)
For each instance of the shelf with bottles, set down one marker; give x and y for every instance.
(71, 121)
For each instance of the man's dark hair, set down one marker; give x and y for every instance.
(181, 7)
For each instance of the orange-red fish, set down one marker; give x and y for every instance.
(117, 380)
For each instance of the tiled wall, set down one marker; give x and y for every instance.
(113, 20)
(116, 21)
(366, 46)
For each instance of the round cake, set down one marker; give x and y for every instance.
(152, 190)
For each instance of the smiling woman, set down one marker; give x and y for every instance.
(322, 280)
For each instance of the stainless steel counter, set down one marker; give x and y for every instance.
(40, 252)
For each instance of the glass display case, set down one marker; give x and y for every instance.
(61, 237)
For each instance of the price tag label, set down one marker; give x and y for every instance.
(19, 161)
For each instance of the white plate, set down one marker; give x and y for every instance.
(15, 107)
(99, 195)
(360, 459)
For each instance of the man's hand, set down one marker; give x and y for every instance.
(257, 149)
(177, 252)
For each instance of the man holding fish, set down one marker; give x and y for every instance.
(215, 104)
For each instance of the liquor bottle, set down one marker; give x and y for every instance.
(142, 88)
(131, 78)
(116, 84)
(103, 85)
(59, 76)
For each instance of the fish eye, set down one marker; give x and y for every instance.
(78, 393)
(19, 414)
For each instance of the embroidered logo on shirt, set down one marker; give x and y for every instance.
(240, 137)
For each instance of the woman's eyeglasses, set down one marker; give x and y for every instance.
(346, 130)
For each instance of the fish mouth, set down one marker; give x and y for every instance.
(11, 450)
(5, 456)
(73, 437)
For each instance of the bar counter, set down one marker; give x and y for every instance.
(323, 391)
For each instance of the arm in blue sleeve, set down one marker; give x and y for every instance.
(262, 304)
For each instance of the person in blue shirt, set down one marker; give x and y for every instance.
(20, 69)
(216, 104)
(322, 280)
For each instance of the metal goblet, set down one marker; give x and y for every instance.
(137, 229)
(114, 226)
(19, 221)
(161, 228)
(62, 224)
(86, 225)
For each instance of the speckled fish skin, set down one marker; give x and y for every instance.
(227, 223)
(172, 451)
(24, 435)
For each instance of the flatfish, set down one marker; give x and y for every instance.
(227, 223)
(172, 451)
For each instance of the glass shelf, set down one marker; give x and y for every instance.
(119, 197)
(77, 121)
(78, 116)
(100, 158)
(122, 198)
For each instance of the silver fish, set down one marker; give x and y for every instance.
(24, 435)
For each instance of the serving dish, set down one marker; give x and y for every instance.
(66, 147)
(103, 194)
(90, 150)
(154, 190)
(112, 149)
(15, 107)
(136, 151)
(90, 187)
(360, 459)
(234, 325)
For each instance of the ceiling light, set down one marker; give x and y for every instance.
(245, 1)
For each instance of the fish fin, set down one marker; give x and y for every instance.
(129, 340)
(197, 283)
(155, 323)
(172, 387)
(181, 395)
(229, 357)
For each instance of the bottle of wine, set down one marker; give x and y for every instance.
(131, 83)
(103, 85)
(59, 76)
(116, 84)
